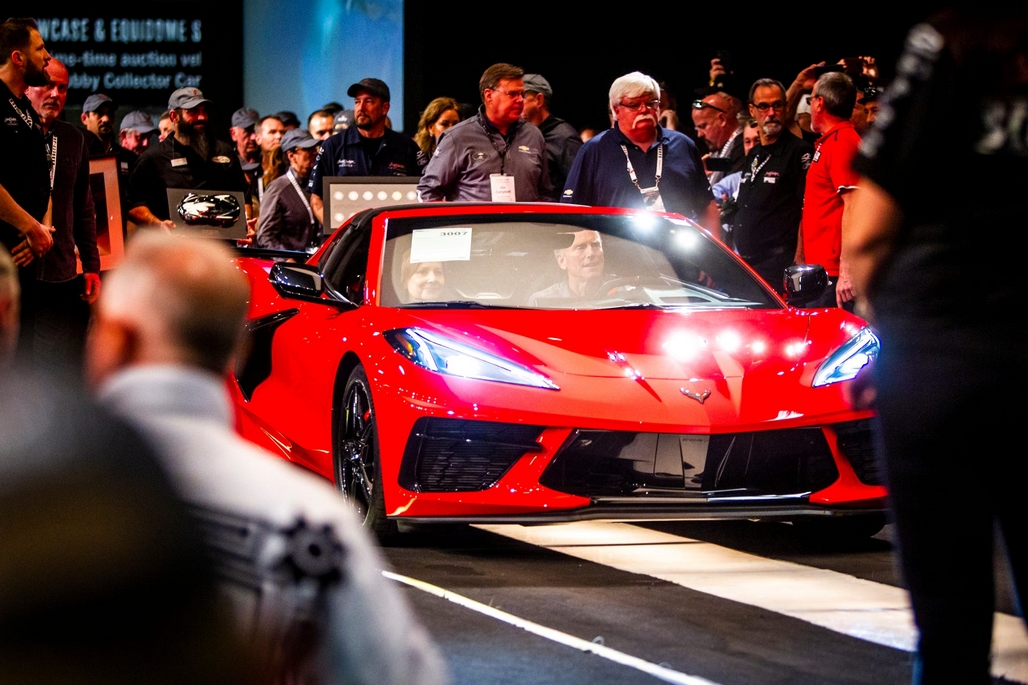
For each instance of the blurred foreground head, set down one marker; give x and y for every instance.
(102, 578)
(173, 300)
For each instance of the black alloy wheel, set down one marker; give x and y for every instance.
(357, 459)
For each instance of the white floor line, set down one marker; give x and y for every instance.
(860, 608)
(661, 672)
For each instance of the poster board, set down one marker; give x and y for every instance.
(344, 196)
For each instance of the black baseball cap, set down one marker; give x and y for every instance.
(374, 86)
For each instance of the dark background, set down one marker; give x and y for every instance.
(582, 47)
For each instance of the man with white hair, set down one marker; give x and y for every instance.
(637, 163)
(168, 323)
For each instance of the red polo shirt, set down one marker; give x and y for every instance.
(829, 176)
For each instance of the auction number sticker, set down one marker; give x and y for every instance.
(440, 245)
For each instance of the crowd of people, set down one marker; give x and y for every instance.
(797, 174)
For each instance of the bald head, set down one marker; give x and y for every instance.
(9, 293)
(173, 300)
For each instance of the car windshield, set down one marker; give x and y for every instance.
(556, 261)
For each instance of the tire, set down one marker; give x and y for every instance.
(358, 473)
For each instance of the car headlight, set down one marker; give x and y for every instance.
(847, 361)
(443, 355)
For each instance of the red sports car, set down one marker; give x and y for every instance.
(536, 363)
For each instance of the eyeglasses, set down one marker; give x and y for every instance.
(513, 94)
(777, 105)
(637, 106)
(700, 104)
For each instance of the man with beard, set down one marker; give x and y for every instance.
(98, 118)
(637, 163)
(367, 149)
(190, 158)
(24, 167)
(495, 155)
(60, 305)
(770, 205)
(287, 221)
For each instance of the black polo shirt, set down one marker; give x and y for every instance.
(771, 198)
(174, 165)
(24, 167)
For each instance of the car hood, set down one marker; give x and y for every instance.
(653, 344)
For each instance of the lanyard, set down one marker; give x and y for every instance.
(660, 166)
(754, 169)
(502, 153)
(260, 189)
(51, 153)
(292, 179)
(25, 116)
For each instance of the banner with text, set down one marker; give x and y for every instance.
(140, 61)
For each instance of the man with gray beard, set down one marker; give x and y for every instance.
(191, 158)
(767, 223)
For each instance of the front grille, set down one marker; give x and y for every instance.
(454, 455)
(620, 464)
(856, 442)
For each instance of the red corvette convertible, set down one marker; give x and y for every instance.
(537, 363)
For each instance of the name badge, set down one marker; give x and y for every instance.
(179, 161)
(770, 179)
(502, 187)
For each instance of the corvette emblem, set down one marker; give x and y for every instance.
(698, 396)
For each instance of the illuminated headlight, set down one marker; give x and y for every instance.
(848, 360)
(443, 355)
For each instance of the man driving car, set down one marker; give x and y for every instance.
(582, 263)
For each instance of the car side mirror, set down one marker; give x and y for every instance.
(804, 283)
(297, 281)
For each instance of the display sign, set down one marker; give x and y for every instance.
(139, 61)
(344, 196)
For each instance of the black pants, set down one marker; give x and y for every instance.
(950, 410)
(771, 266)
(827, 298)
(54, 324)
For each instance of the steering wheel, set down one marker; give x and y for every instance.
(632, 282)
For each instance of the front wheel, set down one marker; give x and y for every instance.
(358, 469)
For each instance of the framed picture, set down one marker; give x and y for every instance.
(110, 235)
(344, 196)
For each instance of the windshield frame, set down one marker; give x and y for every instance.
(670, 237)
